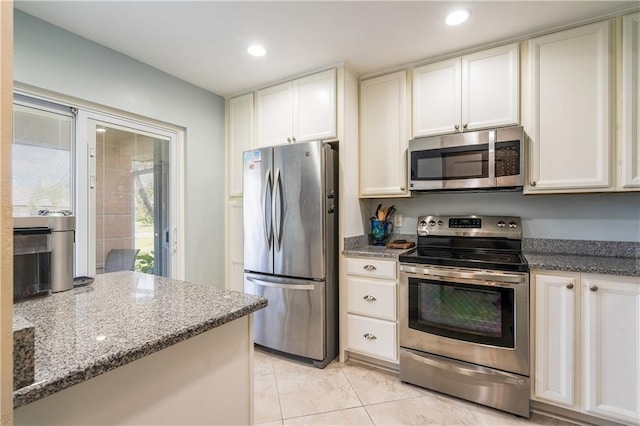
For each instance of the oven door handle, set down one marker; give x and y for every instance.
(439, 273)
(476, 373)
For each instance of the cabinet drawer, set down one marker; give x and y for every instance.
(369, 297)
(372, 337)
(371, 267)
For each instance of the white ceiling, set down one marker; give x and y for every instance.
(205, 42)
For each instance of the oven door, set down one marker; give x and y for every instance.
(452, 161)
(465, 314)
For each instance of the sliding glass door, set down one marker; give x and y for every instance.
(132, 195)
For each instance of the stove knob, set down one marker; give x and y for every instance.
(501, 224)
(423, 223)
(440, 223)
(432, 223)
(513, 225)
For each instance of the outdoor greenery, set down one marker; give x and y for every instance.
(144, 262)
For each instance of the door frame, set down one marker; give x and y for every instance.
(85, 197)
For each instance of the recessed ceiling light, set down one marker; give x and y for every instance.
(457, 17)
(256, 50)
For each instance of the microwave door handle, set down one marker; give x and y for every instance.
(492, 157)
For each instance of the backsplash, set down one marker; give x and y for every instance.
(598, 217)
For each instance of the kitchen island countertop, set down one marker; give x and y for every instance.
(120, 318)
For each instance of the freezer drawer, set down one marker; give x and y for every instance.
(294, 320)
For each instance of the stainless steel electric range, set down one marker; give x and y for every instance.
(464, 310)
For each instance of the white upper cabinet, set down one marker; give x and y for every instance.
(491, 88)
(629, 140)
(240, 139)
(568, 110)
(471, 92)
(297, 111)
(383, 136)
(314, 106)
(436, 98)
(274, 115)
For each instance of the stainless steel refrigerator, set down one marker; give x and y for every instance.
(290, 247)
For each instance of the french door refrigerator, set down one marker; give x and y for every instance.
(290, 248)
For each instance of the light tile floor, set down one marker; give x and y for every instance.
(291, 393)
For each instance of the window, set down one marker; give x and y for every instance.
(42, 159)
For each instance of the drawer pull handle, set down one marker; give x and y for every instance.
(369, 268)
(369, 336)
(369, 298)
(593, 288)
(569, 286)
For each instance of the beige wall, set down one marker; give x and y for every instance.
(6, 213)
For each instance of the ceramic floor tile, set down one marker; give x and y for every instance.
(314, 391)
(430, 409)
(262, 363)
(285, 365)
(350, 416)
(373, 386)
(266, 400)
(273, 423)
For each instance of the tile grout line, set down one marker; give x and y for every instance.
(356, 392)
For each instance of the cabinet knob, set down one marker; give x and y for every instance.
(534, 183)
(369, 298)
(402, 188)
(570, 286)
(464, 126)
(293, 138)
(369, 336)
(369, 268)
(593, 288)
(289, 140)
(457, 127)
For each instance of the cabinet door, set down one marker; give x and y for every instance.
(383, 136)
(236, 251)
(437, 98)
(569, 110)
(629, 162)
(611, 347)
(274, 114)
(555, 330)
(314, 106)
(240, 138)
(490, 88)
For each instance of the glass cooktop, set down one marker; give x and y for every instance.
(503, 261)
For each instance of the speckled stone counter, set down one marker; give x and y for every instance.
(589, 264)
(596, 257)
(359, 247)
(121, 317)
(23, 352)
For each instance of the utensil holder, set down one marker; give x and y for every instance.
(381, 230)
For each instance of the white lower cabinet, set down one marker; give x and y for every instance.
(372, 315)
(587, 343)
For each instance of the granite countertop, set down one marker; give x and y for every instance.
(376, 251)
(121, 317)
(589, 264)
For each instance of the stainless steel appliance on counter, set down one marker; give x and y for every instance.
(43, 254)
(464, 311)
(290, 248)
(479, 160)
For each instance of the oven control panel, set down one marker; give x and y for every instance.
(471, 226)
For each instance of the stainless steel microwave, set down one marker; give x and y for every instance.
(484, 159)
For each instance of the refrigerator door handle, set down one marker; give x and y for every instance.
(268, 230)
(278, 285)
(277, 218)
